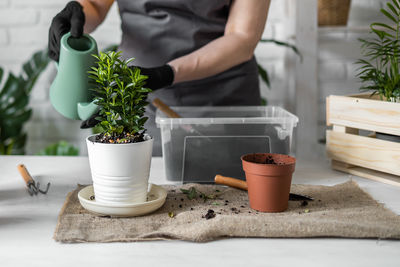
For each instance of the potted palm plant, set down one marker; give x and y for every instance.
(120, 155)
(374, 155)
(379, 69)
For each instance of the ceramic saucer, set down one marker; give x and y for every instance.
(155, 199)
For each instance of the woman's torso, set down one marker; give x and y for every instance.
(157, 31)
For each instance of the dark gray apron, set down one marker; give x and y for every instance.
(156, 31)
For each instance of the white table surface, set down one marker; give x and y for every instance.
(27, 225)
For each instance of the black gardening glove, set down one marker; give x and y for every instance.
(91, 122)
(71, 18)
(158, 77)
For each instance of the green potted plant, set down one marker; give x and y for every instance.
(378, 112)
(380, 68)
(120, 155)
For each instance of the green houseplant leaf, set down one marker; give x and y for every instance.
(62, 148)
(264, 75)
(263, 72)
(14, 99)
(32, 69)
(280, 43)
(121, 96)
(379, 69)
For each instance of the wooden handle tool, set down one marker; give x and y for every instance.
(165, 108)
(30, 183)
(25, 174)
(172, 114)
(236, 183)
(229, 181)
(33, 187)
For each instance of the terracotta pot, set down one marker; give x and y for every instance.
(268, 184)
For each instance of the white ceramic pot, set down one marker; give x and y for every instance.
(120, 172)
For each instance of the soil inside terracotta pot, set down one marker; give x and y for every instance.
(266, 159)
(270, 160)
(123, 138)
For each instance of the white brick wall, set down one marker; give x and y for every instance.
(38, 3)
(3, 37)
(4, 3)
(24, 28)
(18, 17)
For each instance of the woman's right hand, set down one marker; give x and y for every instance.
(72, 19)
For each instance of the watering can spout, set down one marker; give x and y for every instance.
(86, 110)
(70, 91)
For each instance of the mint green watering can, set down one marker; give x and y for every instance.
(69, 93)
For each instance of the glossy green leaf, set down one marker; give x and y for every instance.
(394, 11)
(280, 43)
(383, 25)
(62, 148)
(14, 99)
(16, 106)
(11, 85)
(119, 93)
(379, 69)
(33, 68)
(264, 75)
(1, 74)
(389, 16)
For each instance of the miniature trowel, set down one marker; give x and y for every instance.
(240, 184)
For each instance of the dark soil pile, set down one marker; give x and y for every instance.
(123, 138)
(263, 158)
(270, 160)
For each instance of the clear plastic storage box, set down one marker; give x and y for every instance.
(210, 140)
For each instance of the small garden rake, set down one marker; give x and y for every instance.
(33, 187)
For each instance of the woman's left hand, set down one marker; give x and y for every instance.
(158, 77)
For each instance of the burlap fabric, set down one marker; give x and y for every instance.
(342, 210)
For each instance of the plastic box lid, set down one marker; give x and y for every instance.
(228, 115)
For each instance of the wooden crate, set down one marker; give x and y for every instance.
(364, 156)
